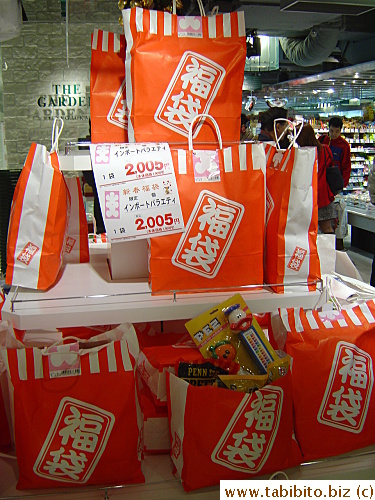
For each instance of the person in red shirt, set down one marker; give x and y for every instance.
(339, 146)
(326, 207)
(341, 157)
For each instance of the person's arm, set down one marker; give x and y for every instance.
(346, 165)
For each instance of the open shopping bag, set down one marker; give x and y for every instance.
(219, 434)
(76, 415)
(109, 119)
(292, 217)
(38, 219)
(180, 66)
(332, 377)
(222, 194)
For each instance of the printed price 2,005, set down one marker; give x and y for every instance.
(158, 221)
(142, 167)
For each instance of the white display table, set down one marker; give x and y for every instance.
(86, 295)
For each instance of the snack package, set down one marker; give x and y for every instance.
(230, 334)
(200, 372)
(251, 383)
(244, 383)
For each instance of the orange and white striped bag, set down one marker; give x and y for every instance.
(180, 66)
(71, 427)
(222, 195)
(77, 239)
(38, 222)
(332, 378)
(291, 254)
(109, 120)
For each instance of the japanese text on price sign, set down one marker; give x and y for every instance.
(137, 190)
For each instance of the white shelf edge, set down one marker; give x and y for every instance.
(85, 295)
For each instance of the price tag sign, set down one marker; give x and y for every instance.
(137, 190)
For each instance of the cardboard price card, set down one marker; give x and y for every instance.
(137, 190)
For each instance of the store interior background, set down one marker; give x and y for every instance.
(332, 70)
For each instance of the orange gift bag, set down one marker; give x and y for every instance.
(109, 120)
(222, 194)
(38, 221)
(291, 254)
(180, 66)
(332, 378)
(219, 434)
(76, 416)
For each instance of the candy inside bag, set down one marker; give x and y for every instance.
(251, 383)
(214, 338)
(244, 383)
(199, 373)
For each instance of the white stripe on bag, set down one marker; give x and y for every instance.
(353, 316)
(153, 22)
(21, 360)
(367, 313)
(128, 58)
(139, 19)
(94, 44)
(228, 166)
(38, 363)
(299, 216)
(311, 320)
(112, 365)
(181, 161)
(342, 322)
(125, 357)
(211, 26)
(327, 324)
(105, 41)
(241, 23)
(285, 319)
(259, 157)
(116, 42)
(226, 25)
(297, 321)
(242, 153)
(167, 24)
(94, 362)
(36, 199)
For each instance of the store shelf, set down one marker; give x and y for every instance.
(85, 294)
(361, 218)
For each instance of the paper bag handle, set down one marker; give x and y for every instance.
(56, 132)
(200, 117)
(293, 125)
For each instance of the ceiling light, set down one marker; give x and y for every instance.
(356, 75)
(365, 81)
(330, 91)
